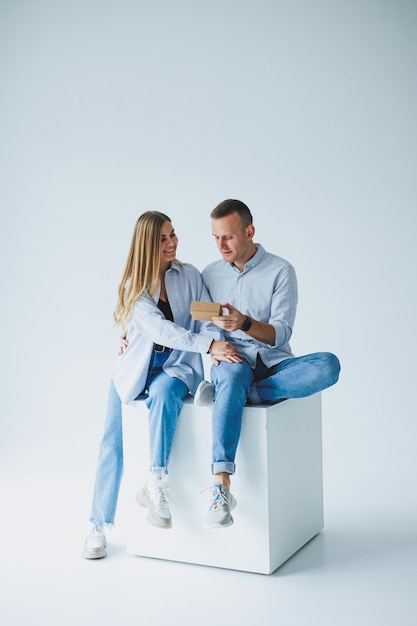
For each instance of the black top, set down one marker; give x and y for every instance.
(165, 307)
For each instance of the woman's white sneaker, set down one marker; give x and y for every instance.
(95, 544)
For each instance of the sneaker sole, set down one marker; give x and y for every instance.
(142, 499)
(208, 526)
(94, 555)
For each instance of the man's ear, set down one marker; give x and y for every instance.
(250, 231)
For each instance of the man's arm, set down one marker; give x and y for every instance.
(261, 331)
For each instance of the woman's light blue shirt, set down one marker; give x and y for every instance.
(188, 338)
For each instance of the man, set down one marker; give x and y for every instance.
(259, 291)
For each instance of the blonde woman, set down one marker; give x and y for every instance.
(162, 365)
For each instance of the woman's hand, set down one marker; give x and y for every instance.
(224, 351)
(123, 343)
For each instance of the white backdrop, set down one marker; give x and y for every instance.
(304, 110)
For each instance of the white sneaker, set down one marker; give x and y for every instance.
(153, 496)
(222, 502)
(204, 395)
(95, 544)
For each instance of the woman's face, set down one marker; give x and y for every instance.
(169, 242)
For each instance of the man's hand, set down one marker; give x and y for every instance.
(123, 344)
(224, 351)
(230, 322)
(261, 331)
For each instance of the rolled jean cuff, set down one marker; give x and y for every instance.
(223, 466)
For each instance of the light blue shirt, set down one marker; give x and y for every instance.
(266, 290)
(188, 338)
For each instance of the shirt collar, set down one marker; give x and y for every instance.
(257, 257)
(174, 266)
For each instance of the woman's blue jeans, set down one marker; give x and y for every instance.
(164, 398)
(237, 383)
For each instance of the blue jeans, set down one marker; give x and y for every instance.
(237, 383)
(164, 398)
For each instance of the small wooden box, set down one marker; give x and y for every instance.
(205, 310)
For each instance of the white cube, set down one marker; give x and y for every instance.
(278, 486)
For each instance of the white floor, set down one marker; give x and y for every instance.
(360, 570)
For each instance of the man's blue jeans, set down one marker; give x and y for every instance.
(164, 399)
(237, 383)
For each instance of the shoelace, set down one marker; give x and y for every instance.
(218, 496)
(95, 533)
(96, 537)
(162, 494)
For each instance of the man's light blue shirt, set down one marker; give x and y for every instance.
(266, 290)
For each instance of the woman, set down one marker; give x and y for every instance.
(162, 365)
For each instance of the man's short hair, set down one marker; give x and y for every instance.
(227, 207)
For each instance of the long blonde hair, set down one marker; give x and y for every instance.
(142, 269)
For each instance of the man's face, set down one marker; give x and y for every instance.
(233, 241)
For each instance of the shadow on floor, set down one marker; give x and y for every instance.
(340, 549)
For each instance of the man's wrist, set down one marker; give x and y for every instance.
(246, 324)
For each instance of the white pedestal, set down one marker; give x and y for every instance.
(277, 485)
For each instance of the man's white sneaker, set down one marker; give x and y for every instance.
(222, 502)
(154, 497)
(95, 544)
(204, 395)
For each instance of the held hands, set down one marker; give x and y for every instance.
(230, 322)
(219, 350)
(224, 351)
